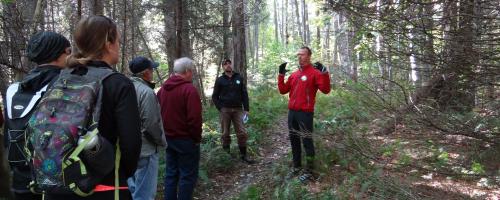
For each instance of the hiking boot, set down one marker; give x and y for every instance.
(244, 157)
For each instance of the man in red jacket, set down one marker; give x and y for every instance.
(181, 112)
(302, 86)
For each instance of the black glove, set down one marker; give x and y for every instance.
(283, 69)
(319, 67)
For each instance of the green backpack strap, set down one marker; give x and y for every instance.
(74, 158)
(117, 169)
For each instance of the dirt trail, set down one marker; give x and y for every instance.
(229, 184)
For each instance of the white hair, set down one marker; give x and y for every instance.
(182, 65)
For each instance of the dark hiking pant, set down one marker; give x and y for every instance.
(300, 126)
(183, 158)
(234, 115)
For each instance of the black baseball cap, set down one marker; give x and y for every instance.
(140, 63)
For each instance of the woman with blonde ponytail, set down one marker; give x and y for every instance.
(98, 45)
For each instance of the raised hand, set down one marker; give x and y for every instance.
(319, 67)
(283, 69)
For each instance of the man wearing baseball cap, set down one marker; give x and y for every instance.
(144, 182)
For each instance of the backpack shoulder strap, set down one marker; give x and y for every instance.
(33, 100)
(100, 74)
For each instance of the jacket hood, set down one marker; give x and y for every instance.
(173, 82)
(39, 77)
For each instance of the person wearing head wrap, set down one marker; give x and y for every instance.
(49, 50)
(46, 47)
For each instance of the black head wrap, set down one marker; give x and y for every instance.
(45, 47)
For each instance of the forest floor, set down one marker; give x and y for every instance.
(229, 184)
(436, 173)
(410, 178)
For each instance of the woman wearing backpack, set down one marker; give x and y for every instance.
(49, 50)
(98, 42)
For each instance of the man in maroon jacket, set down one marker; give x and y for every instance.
(181, 112)
(302, 86)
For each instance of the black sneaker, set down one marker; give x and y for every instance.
(306, 177)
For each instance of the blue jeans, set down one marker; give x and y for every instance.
(143, 184)
(183, 159)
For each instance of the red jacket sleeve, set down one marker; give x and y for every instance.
(194, 119)
(282, 86)
(323, 82)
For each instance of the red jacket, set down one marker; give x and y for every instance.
(180, 106)
(303, 85)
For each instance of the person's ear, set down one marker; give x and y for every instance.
(68, 50)
(108, 46)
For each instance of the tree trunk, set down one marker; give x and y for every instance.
(352, 53)
(305, 23)
(133, 30)
(297, 17)
(276, 29)
(124, 37)
(285, 25)
(256, 33)
(37, 17)
(326, 46)
(318, 33)
(225, 37)
(170, 32)
(97, 7)
(79, 10)
(178, 28)
(239, 60)
(429, 55)
(336, 31)
(16, 28)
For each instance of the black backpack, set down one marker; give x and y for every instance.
(19, 105)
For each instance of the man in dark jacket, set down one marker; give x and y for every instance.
(303, 85)
(230, 96)
(49, 50)
(181, 112)
(143, 184)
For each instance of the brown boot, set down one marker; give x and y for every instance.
(244, 157)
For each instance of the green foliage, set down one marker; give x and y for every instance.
(291, 189)
(273, 55)
(252, 192)
(477, 168)
(342, 110)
